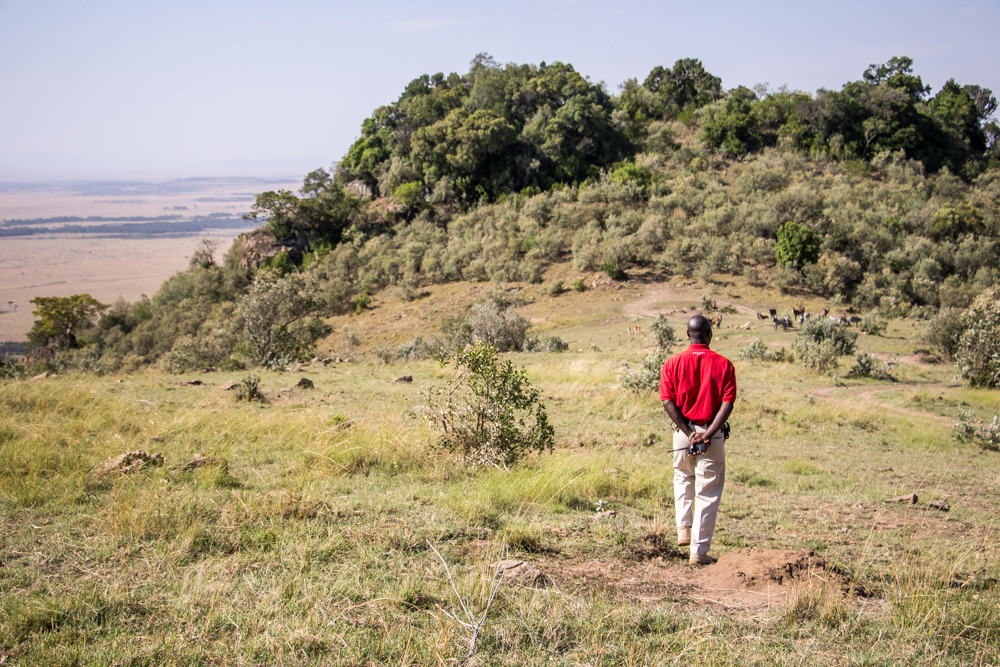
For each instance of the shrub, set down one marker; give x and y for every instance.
(553, 344)
(273, 321)
(11, 368)
(614, 270)
(646, 378)
(944, 330)
(554, 289)
(872, 325)
(249, 390)
(797, 245)
(663, 331)
(841, 336)
(757, 350)
(821, 357)
(986, 435)
(580, 285)
(978, 352)
(501, 326)
(866, 366)
(490, 413)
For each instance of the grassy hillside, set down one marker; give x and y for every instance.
(312, 543)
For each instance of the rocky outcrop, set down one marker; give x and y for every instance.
(259, 246)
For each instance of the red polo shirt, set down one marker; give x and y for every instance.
(698, 381)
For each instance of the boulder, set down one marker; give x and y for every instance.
(910, 498)
(259, 246)
(305, 383)
(405, 378)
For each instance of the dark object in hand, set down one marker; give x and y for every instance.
(697, 448)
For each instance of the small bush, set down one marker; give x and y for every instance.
(872, 325)
(249, 390)
(944, 330)
(553, 344)
(361, 302)
(757, 350)
(501, 326)
(580, 285)
(866, 366)
(614, 271)
(11, 368)
(554, 289)
(646, 378)
(821, 357)
(663, 331)
(490, 413)
(986, 435)
(978, 351)
(842, 337)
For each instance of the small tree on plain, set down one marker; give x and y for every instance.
(490, 414)
(274, 320)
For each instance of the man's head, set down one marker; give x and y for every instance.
(699, 330)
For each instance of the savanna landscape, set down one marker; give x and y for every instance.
(412, 418)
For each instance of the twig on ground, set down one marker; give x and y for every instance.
(470, 623)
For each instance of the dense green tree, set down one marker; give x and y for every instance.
(797, 245)
(734, 128)
(59, 319)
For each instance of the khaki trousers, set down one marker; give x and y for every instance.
(698, 482)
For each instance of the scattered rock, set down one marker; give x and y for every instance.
(229, 386)
(126, 463)
(405, 378)
(200, 461)
(745, 325)
(305, 383)
(607, 514)
(910, 498)
(885, 469)
(942, 505)
(858, 506)
(207, 369)
(190, 383)
(257, 247)
(522, 573)
(41, 376)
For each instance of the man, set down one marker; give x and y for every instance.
(698, 387)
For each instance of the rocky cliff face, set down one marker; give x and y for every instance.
(258, 246)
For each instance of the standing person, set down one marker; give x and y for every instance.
(698, 387)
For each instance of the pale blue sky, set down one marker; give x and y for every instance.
(129, 88)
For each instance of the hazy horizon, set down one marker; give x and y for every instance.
(220, 88)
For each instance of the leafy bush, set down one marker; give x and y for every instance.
(978, 351)
(872, 325)
(757, 350)
(580, 285)
(866, 366)
(841, 336)
(273, 320)
(663, 331)
(554, 289)
(797, 245)
(646, 378)
(11, 368)
(501, 326)
(249, 390)
(821, 357)
(944, 330)
(553, 344)
(490, 414)
(986, 435)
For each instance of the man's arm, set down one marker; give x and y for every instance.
(677, 417)
(721, 416)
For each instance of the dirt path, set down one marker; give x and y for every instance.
(675, 296)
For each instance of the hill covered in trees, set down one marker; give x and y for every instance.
(881, 195)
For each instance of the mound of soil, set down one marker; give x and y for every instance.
(756, 569)
(656, 546)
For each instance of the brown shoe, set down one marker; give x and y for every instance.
(701, 559)
(683, 536)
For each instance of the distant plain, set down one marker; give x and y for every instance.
(147, 233)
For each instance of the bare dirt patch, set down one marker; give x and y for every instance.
(741, 579)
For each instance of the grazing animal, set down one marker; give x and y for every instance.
(761, 316)
(717, 321)
(798, 311)
(853, 319)
(825, 312)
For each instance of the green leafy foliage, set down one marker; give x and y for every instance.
(978, 350)
(867, 366)
(274, 320)
(984, 433)
(797, 245)
(646, 378)
(60, 319)
(663, 331)
(490, 414)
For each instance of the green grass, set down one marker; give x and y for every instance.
(311, 546)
